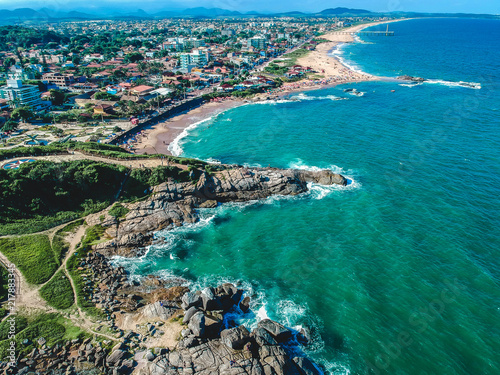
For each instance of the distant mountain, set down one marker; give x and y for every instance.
(212, 12)
(340, 11)
(28, 15)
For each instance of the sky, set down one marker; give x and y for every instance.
(441, 6)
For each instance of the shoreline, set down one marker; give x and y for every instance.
(159, 138)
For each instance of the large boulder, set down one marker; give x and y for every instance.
(190, 299)
(235, 338)
(323, 177)
(306, 367)
(209, 300)
(278, 331)
(116, 356)
(262, 337)
(189, 314)
(157, 310)
(197, 324)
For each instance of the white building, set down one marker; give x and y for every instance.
(21, 95)
(196, 58)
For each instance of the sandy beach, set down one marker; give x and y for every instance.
(158, 138)
(330, 66)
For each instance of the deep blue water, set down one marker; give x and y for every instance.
(399, 272)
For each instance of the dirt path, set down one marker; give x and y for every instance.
(134, 164)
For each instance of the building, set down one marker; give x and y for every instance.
(227, 32)
(19, 95)
(58, 79)
(196, 59)
(258, 42)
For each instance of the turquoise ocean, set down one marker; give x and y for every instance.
(399, 272)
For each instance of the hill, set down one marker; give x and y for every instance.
(341, 11)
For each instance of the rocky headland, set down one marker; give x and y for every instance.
(175, 203)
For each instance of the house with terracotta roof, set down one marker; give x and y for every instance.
(141, 90)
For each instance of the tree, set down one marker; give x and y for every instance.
(8, 62)
(105, 96)
(56, 97)
(10, 126)
(75, 59)
(23, 113)
(134, 57)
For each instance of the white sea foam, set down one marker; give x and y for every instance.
(410, 84)
(302, 96)
(468, 85)
(275, 101)
(175, 146)
(338, 52)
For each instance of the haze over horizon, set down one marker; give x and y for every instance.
(445, 6)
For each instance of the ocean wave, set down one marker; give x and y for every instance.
(468, 85)
(175, 146)
(410, 84)
(303, 96)
(338, 53)
(274, 101)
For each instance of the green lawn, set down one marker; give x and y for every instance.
(58, 292)
(32, 255)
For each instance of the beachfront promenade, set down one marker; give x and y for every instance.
(364, 32)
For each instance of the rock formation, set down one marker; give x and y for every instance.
(173, 203)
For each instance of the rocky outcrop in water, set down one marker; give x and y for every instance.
(173, 203)
(412, 79)
(208, 346)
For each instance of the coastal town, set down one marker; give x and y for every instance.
(103, 81)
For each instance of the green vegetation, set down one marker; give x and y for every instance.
(58, 292)
(32, 255)
(26, 37)
(42, 194)
(118, 211)
(140, 180)
(52, 327)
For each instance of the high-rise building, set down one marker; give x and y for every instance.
(258, 41)
(195, 58)
(20, 95)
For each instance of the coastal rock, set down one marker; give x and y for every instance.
(235, 338)
(278, 331)
(324, 177)
(197, 324)
(189, 300)
(189, 314)
(116, 356)
(263, 337)
(306, 367)
(157, 310)
(411, 78)
(175, 203)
